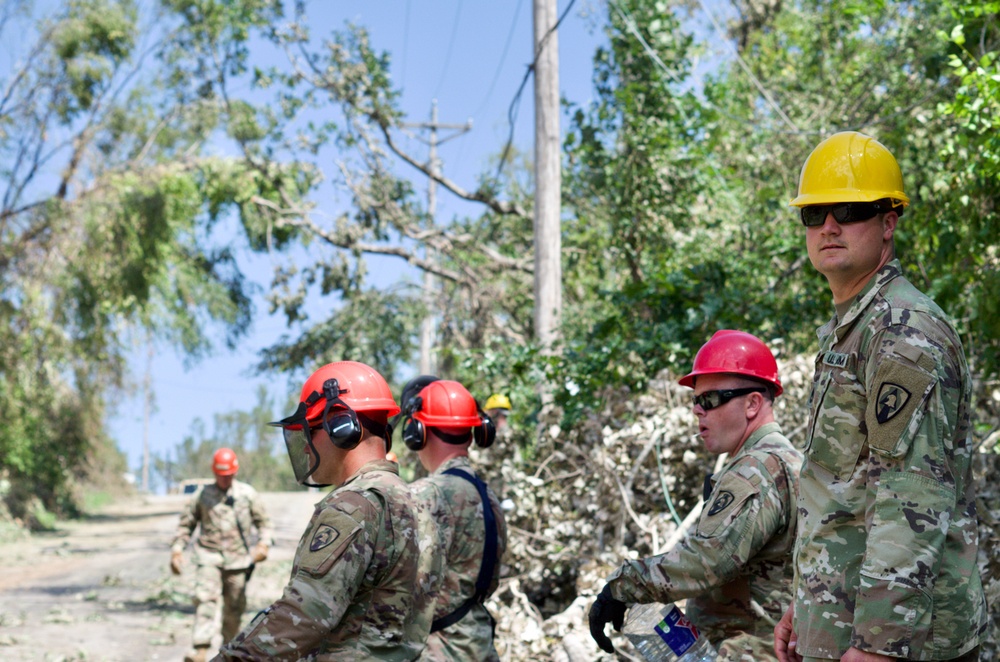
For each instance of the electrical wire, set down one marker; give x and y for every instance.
(451, 44)
(503, 58)
(515, 102)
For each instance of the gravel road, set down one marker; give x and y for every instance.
(100, 589)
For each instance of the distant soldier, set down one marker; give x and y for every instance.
(227, 512)
(498, 408)
(462, 529)
(735, 567)
(353, 592)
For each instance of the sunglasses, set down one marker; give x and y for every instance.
(843, 212)
(712, 399)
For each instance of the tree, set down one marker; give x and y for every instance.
(105, 226)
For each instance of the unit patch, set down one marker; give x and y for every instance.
(324, 535)
(891, 400)
(721, 502)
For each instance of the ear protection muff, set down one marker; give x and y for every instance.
(414, 432)
(485, 434)
(344, 428)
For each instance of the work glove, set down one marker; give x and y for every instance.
(176, 561)
(259, 552)
(606, 610)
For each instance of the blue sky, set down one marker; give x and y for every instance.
(470, 57)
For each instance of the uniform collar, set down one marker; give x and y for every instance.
(459, 461)
(754, 437)
(890, 271)
(374, 465)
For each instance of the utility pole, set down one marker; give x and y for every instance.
(147, 388)
(548, 178)
(427, 363)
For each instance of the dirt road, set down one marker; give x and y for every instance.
(100, 590)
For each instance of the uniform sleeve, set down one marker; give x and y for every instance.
(914, 393)
(188, 522)
(331, 562)
(261, 520)
(733, 528)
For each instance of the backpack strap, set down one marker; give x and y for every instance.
(489, 556)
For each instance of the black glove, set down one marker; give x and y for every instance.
(606, 610)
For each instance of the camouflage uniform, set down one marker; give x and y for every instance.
(452, 531)
(736, 568)
(886, 554)
(220, 554)
(353, 591)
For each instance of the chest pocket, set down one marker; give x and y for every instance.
(838, 430)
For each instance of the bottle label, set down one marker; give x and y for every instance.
(679, 633)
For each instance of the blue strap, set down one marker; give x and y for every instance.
(489, 555)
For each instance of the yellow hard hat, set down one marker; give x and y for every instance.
(850, 167)
(497, 401)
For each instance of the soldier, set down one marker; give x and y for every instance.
(353, 592)
(887, 542)
(498, 408)
(735, 568)
(224, 560)
(462, 528)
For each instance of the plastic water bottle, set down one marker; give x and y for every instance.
(662, 633)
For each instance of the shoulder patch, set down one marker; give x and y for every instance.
(894, 413)
(722, 501)
(891, 400)
(732, 492)
(324, 535)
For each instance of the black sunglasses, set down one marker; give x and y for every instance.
(843, 212)
(712, 399)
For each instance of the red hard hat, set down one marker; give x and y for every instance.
(361, 388)
(735, 353)
(225, 462)
(447, 404)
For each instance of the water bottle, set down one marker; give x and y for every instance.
(662, 633)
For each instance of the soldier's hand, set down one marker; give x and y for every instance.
(606, 610)
(259, 552)
(176, 561)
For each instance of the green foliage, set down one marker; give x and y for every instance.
(259, 447)
(106, 227)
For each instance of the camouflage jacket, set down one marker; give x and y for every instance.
(452, 531)
(735, 568)
(219, 541)
(886, 553)
(353, 592)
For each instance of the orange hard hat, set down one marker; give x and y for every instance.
(225, 462)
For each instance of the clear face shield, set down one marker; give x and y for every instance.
(298, 432)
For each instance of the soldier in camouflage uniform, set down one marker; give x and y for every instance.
(461, 543)
(735, 568)
(886, 551)
(226, 511)
(353, 592)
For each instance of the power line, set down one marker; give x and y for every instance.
(515, 102)
(503, 58)
(406, 43)
(451, 44)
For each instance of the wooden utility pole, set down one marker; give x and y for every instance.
(428, 365)
(548, 178)
(147, 410)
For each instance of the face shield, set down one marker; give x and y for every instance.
(298, 432)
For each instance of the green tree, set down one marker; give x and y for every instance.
(259, 447)
(109, 200)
